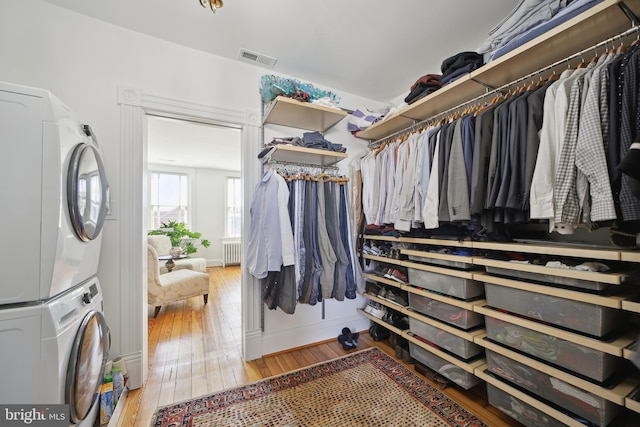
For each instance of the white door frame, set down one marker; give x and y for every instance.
(134, 105)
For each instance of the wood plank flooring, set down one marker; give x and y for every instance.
(195, 349)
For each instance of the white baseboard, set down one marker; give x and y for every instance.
(134, 369)
(309, 334)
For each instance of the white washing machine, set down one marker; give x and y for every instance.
(54, 352)
(54, 196)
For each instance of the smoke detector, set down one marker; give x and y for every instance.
(257, 58)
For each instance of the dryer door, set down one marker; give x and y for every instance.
(87, 192)
(86, 364)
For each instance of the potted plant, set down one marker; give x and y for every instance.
(181, 237)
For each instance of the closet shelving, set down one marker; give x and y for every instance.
(312, 156)
(380, 279)
(598, 23)
(624, 300)
(608, 19)
(455, 339)
(303, 115)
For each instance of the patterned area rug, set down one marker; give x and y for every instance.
(367, 388)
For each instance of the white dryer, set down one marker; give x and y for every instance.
(54, 352)
(54, 196)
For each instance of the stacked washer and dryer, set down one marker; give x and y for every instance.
(54, 340)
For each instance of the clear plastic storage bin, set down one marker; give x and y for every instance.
(449, 285)
(519, 410)
(448, 370)
(582, 403)
(443, 339)
(465, 319)
(577, 358)
(579, 316)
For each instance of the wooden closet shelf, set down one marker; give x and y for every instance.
(304, 115)
(439, 270)
(386, 303)
(607, 278)
(312, 156)
(632, 404)
(551, 249)
(631, 305)
(467, 305)
(598, 23)
(615, 394)
(481, 372)
(614, 347)
(613, 301)
(383, 259)
(381, 279)
(436, 255)
(467, 335)
(381, 322)
(467, 366)
(420, 240)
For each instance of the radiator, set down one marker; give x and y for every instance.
(231, 252)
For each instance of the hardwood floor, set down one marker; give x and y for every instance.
(195, 349)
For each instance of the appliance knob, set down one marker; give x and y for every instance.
(86, 298)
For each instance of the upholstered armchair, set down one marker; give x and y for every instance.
(162, 245)
(174, 286)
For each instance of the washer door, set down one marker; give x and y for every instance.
(86, 364)
(87, 192)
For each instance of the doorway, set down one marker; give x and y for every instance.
(192, 169)
(135, 106)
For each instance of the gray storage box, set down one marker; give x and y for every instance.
(448, 285)
(465, 319)
(574, 399)
(577, 358)
(448, 370)
(548, 278)
(519, 410)
(579, 316)
(443, 339)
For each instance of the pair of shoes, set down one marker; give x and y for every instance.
(396, 253)
(397, 275)
(375, 309)
(373, 288)
(394, 297)
(406, 356)
(348, 339)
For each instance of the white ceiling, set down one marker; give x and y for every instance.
(372, 48)
(189, 144)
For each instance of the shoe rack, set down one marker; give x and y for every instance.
(587, 316)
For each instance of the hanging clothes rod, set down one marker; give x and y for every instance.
(501, 89)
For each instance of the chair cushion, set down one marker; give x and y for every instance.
(179, 285)
(160, 243)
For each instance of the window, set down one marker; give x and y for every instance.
(169, 198)
(234, 204)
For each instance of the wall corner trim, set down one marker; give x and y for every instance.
(129, 96)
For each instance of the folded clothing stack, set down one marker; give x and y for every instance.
(425, 85)
(308, 140)
(459, 65)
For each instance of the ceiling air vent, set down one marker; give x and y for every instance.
(257, 58)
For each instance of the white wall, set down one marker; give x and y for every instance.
(207, 204)
(84, 61)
